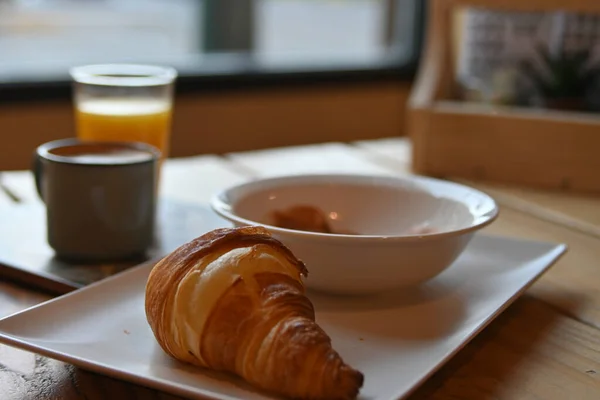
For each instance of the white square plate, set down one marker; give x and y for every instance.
(397, 340)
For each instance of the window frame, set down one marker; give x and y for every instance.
(229, 67)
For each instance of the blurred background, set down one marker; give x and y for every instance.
(263, 73)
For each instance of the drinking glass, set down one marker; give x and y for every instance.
(124, 102)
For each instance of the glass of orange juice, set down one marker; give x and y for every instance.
(124, 102)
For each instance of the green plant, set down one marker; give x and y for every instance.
(566, 75)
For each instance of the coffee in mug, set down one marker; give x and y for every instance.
(100, 198)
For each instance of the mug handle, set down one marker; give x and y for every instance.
(38, 174)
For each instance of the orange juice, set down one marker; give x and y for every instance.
(141, 120)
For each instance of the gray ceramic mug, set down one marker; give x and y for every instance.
(100, 197)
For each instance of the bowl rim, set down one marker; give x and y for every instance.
(221, 204)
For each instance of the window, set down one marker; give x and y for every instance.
(41, 39)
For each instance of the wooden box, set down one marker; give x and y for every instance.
(541, 148)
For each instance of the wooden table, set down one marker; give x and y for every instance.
(545, 346)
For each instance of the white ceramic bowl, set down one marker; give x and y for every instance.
(386, 254)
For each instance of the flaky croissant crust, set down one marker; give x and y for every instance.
(170, 270)
(262, 330)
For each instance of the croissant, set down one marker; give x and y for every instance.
(233, 300)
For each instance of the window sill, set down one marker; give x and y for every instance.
(219, 72)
